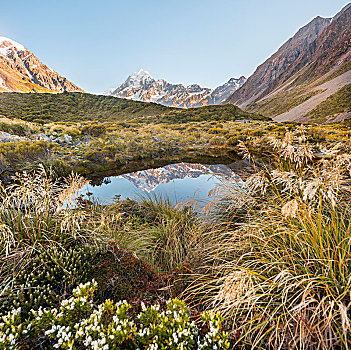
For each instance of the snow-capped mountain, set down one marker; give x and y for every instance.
(141, 86)
(148, 180)
(21, 70)
(221, 93)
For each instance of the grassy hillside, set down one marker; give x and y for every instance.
(72, 106)
(226, 112)
(298, 90)
(341, 70)
(282, 102)
(340, 102)
(75, 107)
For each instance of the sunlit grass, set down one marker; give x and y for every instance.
(272, 256)
(285, 279)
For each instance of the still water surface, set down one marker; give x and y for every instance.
(179, 182)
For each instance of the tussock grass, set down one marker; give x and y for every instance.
(34, 216)
(283, 276)
(272, 256)
(168, 238)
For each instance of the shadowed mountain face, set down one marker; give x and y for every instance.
(21, 71)
(268, 72)
(319, 53)
(141, 86)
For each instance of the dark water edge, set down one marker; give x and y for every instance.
(209, 157)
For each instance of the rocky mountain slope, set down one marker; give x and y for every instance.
(21, 71)
(141, 86)
(311, 66)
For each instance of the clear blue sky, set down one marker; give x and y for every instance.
(98, 43)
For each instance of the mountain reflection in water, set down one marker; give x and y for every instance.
(179, 182)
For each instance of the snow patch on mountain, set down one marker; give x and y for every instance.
(6, 44)
(139, 79)
(2, 84)
(17, 64)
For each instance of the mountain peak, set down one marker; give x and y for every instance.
(21, 70)
(6, 44)
(138, 79)
(141, 86)
(141, 73)
(239, 81)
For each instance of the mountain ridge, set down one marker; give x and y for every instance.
(76, 106)
(287, 86)
(277, 63)
(141, 86)
(22, 71)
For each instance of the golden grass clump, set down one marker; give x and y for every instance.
(284, 275)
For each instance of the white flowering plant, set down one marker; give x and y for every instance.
(171, 329)
(11, 328)
(78, 324)
(212, 339)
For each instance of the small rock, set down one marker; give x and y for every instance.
(64, 139)
(67, 138)
(6, 137)
(44, 137)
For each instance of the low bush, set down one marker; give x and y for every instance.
(14, 128)
(106, 153)
(78, 324)
(16, 153)
(96, 130)
(45, 279)
(234, 140)
(216, 131)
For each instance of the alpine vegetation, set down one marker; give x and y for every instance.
(283, 279)
(78, 323)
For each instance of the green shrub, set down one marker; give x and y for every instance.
(234, 140)
(39, 121)
(14, 128)
(47, 278)
(15, 153)
(218, 140)
(108, 152)
(216, 131)
(79, 324)
(96, 130)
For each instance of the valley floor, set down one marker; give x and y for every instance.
(260, 267)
